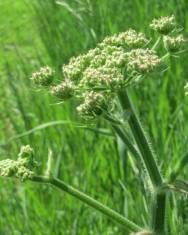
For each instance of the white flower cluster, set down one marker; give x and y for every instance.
(101, 71)
(129, 38)
(102, 77)
(43, 77)
(76, 66)
(164, 25)
(173, 44)
(93, 105)
(64, 90)
(143, 61)
(22, 167)
(167, 27)
(118, 61)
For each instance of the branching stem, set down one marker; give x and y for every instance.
(141, 140)
(89, 201)
(158, 224)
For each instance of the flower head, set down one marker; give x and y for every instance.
(164, 25)
(143, 61)
(117, 62)
(93, 105)
(43, 77)
(22, 168)
(64, 90)
(73, 70)
(129, 38)
(173, 44)
(103, 77)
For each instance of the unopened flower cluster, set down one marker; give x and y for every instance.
(43, 77)
(21, 168)
(119, 60)
(167, 27)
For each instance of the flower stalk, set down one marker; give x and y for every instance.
(158, 224)
(141, 140)
(113, 215)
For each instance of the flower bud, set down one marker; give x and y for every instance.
(143, 61)
(63, 91)
(129, 38)
(43, 77)
(22, 167)
(102, 77)
(94, 104)
(173, 44)
(164, 25)
(73, 70)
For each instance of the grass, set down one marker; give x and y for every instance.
(41, 32)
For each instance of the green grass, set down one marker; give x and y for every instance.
(37, 33)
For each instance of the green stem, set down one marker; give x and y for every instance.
(158, 213)
(156, 43)
(159, 201)
(141, 140)
(89, 201)
(127, 142)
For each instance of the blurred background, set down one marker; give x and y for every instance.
(34, 33)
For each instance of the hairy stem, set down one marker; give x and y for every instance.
(141, 140)
(159, 201)
(89, 201)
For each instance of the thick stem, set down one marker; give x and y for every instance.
(89, 201)
(159, 201)
(141, 140)
(158, 213)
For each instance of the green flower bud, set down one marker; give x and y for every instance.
(164, 25)
(22, 167)
(173, 44)
(73, 70)
(102, 77)
(94, 104)
(129, 38)
(43, 77)
(63, 91)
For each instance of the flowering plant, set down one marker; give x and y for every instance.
(98, 79)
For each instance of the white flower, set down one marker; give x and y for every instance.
(103, 77)
(93, 105)
(143, 60)
(173, 44)
(129, 38)
(64, 90)
(73, 70)
(164, 25)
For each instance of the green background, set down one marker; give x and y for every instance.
(34, 33)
